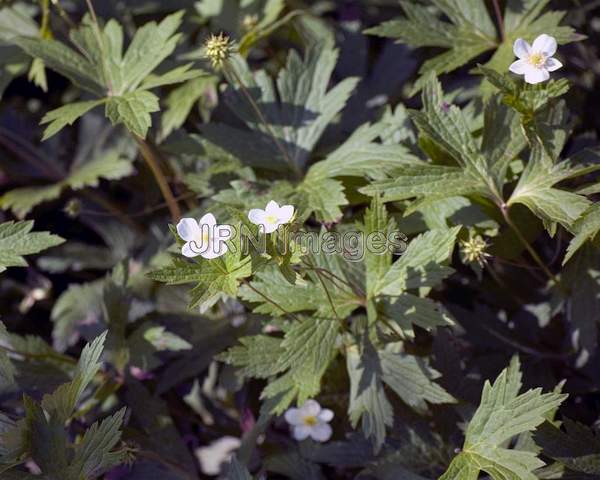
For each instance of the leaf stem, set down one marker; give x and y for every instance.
(262, 119)
(161, 180)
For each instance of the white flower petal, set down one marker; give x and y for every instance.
(301, 432)
(521, 48)
(286, 213)
(188, 251)
(270, 227)
(321, 432)
(188, 229)
(293, 417)
(545, 44)
(310, 408)
(257, 216)
(212, 456)
(552, 64)
(272, 208)
(208, 219)
(215, 249)
(519, 67)
(223, 232)
(536, 75)
(325, 416)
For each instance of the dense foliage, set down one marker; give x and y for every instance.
(405, 278)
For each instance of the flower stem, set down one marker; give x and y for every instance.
(528, 247)
(262, 119)
(45, 25)
(154, 166)
(272, 302)
(498, 13)
(113, 210)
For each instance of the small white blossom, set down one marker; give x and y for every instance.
(204, 238)
(271, 217)
(310, 420)
(535, 61)
(213, 456)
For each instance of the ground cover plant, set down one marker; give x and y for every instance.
(280, 239)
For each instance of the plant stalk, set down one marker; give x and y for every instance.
(154, 166)
(500, 19)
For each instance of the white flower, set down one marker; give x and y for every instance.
(535, 61)
(213, 456)
(310, 420)
(271, 217)
(204, 238)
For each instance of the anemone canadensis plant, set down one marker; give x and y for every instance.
(270, 239)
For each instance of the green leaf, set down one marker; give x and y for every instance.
(308, 348)
(501, 415)
(66, 115)
(37, 74)
(17, 240)
(93, 455)
(150, 46)
(65, 61)
(304, 295)
(408, 310)
(577, 447)
(133, 110)
(181, 100)
(214, 278)
(585, 227)
(7, 369)
(256, 357)
(46, 439)
(535, 190)
(444, 128)
(111, 164)
(177, 75)
(412, 379)
(110, 75)
(409, 377)
(73, 306)
(164, 340)
(420, 265)
(236, 471)
(61, 403)
(368, 401)
(298, 107)
(470, 32)
(422, 179)
(582, 308)
(324, 196)
(376, 264)
(357, 156)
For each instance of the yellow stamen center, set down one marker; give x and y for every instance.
(537, 60)
(271, 219)
(310, 421)
(203, 238)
